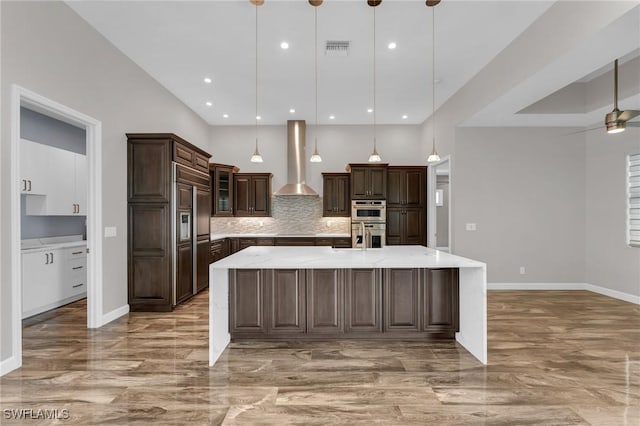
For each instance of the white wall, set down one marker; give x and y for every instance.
(48, 49)
(525, 190)
(609, 262)
(338, 146)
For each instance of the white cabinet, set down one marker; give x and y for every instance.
(34, 167)
(54, 180)
(52, 278)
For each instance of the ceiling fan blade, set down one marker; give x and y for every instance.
(628, 114)
(633, 124)
(585, 130)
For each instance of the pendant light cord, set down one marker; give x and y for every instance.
(315, 12)
(256, 6)
(433, 72)
(375, 110)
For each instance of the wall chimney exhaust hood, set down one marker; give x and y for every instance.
(296, 166)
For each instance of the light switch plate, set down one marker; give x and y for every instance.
(110, 231)
(471, 226)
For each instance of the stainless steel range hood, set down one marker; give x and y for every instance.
(296, 164)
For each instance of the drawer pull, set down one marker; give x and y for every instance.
(76, 267)
(76, 252)
(78, 285)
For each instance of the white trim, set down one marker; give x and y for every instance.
(23, 97)
(9, 364)
(613, 293)
(431, 204)
(567, 286)
(115, 314)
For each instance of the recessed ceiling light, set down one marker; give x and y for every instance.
(392, 45)
(284, 45)
(258, 117)
(291, 110)
(404, 117)
(331, 117)
(370, 110)
(208, 103)
(207, 80)
(225, 115)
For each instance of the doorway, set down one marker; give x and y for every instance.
(21, 100)
(440, 205)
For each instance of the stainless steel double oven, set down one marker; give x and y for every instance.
(368, 223)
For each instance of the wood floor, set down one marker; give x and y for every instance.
(555, 358)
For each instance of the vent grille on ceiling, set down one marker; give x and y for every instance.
(336, 48)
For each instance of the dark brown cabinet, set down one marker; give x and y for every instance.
(295, 241)
(252, 194)
(368, 181)
(406, 226)
(246, 302)
(165, 170)
(405, 303)
(286, 295)
(363, 301)
(219, 249)
(441, 300)
(325, 301)
(401, 300)
(335, 195)
(406, 205)
(222, 189)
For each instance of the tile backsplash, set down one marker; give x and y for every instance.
(294, 214)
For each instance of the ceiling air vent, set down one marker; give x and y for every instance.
(336, 48)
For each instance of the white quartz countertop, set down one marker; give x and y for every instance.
(221, 236)
(283, 257)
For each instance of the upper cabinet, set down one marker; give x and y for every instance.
(252, 194)
(406, 186)
(335, 194)
(406, 205)
(183, 153)
(54, 180)
(368, 181)
(222, 187)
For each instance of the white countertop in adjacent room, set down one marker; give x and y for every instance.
(50, 243)
(283, 257)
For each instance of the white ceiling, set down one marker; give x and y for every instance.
(180, 43)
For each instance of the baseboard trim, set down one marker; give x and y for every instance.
(115, 314)
(9, 365)
(613, 293)
(566, 286)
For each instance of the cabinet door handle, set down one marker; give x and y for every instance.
(29, 181)
(75, 208)
(47, 256)
(76, 267)
(76, 252)
(51, 257)
(24, 185)
(77, 285)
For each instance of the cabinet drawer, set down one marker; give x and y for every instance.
(76, 253)
(201, 163)
(183, 155)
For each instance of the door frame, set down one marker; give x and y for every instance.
(31, 100)
(431, 204)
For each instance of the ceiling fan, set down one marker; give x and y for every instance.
(617, 120)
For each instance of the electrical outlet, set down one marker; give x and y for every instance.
(522, 270)
(471, 226)
(110, 231)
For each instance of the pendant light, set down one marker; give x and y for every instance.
(433, 157)
(315, 158)
(256, 157)
(374, 157)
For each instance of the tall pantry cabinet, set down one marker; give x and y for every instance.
(169, 209)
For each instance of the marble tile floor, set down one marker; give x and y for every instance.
(556, 358)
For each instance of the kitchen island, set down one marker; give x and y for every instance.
(298, 293)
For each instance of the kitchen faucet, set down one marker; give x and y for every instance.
(363, 232)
